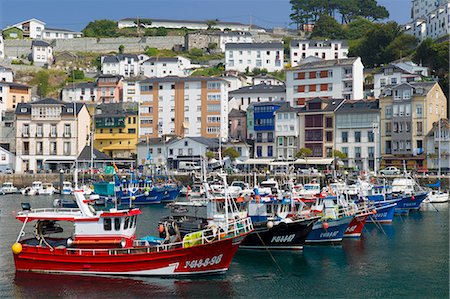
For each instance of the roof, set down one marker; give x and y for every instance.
(39, 43)
(49, 101)
(85, 155)
(118, 57)
(236, 33)
(181, 79)
(331, 105)
(81, 85)
(158, 141)
(260, 88)
(237, 113)
(61, 30)
(358, 106)
(209, 142)
(231, 46)
(326, 63)
(191, 21)
(444, 124)
(162, 59)
(287, 108)
(314, 42)
(272, 103)
(14, 84)
(426, 86)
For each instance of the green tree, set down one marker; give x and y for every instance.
(161, 31)
(151, 52)
(328, 27)
(121, 49)
(195, 52)
(101, 28)
(402, 46)
(211, 23)
(210, 155)
(339, 155)
(231, 153)
(358, 28)
(76, 75)
(42, 81)
(304, 153)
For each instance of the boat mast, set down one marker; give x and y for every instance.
(92, 143)
(439, 153)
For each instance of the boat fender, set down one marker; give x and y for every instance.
(161, 228)
(16, 248)
(269, 224)
(69, 242)
(325, 225)
(413, 198)
(374, 211)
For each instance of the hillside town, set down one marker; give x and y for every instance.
(165, 92)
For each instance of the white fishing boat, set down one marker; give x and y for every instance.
(436, 196)
(47, 189)
(28, 191)
(67, 188)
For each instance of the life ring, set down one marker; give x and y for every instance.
(212, 237)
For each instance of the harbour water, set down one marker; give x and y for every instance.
(406, 259)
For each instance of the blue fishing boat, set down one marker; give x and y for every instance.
(384, 211)
(410, 193)
(171, 192)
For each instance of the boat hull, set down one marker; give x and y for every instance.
(385, 214)
(214, 257)
(334, 232)
(355, 227)
(437, 198)
(283, 235)
(140, 199)
(410, 202)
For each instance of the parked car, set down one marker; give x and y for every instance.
(308, 171)
(391, 170)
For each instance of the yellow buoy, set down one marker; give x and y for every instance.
(16, 248)
(133, 197)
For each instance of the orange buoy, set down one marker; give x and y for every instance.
(374, 211)
(161, 228)
(325, 225)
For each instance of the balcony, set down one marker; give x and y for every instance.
(67, 135)
(53, 135)
(388, 151)
(25, 135)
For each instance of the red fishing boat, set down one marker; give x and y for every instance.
(104, 242)
(355, 227)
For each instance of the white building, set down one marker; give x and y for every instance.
(429, 19)
(42, 53)
(32, 28)
(154, 150)
(265, 79)
(356, 124)
(80, 92)
(127, 65)
(189, 24)
(433, 147)
(54, 33)
(241, 98)
(333, 79)
(287, 132)
(166, 66)
(50, 134)
(396, 73)
(183, 106)
(248, 56)
(235, 81)
(132, 89)
(2, 47)
(6, 74)
(7, 160)
(234, 37)
(325, 49)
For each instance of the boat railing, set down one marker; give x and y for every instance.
(51, 210)
(235, 228)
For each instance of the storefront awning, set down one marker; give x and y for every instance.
(257, 161)
(314, 161)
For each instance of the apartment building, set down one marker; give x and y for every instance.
(116, 133)
(13, 93)
(237, 129)
(6, 74)
(109, 88)
(396, 73)
(325, 49)
(357, 133)
(31, 28)
(234, 37)
(408, 111)
(266, 79)
(183, 106)
(56, 33)
(80, 92)
(241, 98)
(166, 66)
(326, 79)
(243, 57)
(287, 132)
(434, 140)
(49, 134)
(261, 127)
(317, 123)
(126, 65)
(429, 19)
(42, 53)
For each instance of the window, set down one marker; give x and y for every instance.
(39, 148)
(370, 136)
(419, 110)
(388, 112)
(66, 148)
(344, 150)
(53, 132)
(131, 131)
(344, 137)
(180, 151)
(116, 223)
(357, 152)
(270, 151)
(26, 130)
(329, 136)
(329, 122)
(107, 223)
(419, 127)
(388, 128)
(357, 136)
(53, 148)
(66, 130)
(280, 141)
(395, 110)
(371, 151)
(213, 85)
(127, 222)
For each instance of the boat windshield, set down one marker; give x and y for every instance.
(312, 187)
(268, 185)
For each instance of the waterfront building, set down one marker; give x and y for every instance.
(154, 150)
(396, 73)
(261, 127)
(408, 111)
(183, 106)
(244, 57)
(433, 143)
(241, 98)
(317, 126)
(49, 134)
(41, 53)
(166, 66)
(237, 129)
(190, 149)
(357, 133)
(287, 132)
(116, 133)
(325, 49)
(6, 74)
(126, 65)
(80, 92)
(266, 79)
(429, 19)
(109, 88)
(326, 79)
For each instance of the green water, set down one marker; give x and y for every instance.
(408, 259)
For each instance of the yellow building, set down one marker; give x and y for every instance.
(13, 93)
(408, 111)
(116, 134)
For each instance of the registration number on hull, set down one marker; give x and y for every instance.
(201, 263)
